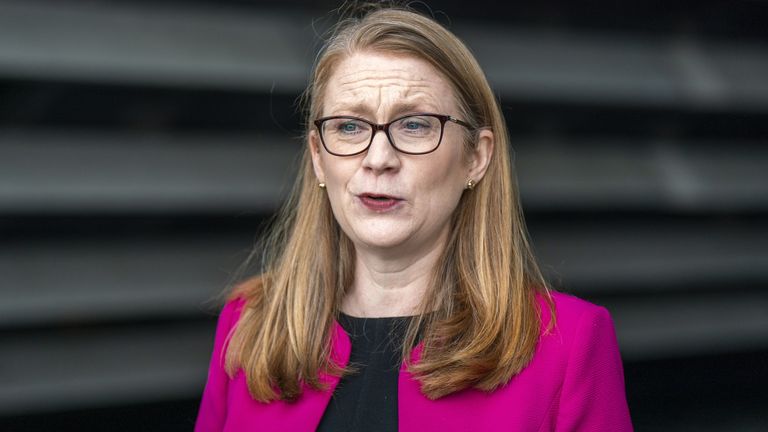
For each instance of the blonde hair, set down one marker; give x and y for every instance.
(485, 322)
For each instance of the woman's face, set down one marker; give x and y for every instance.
(384, 199)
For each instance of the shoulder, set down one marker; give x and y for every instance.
(569, 304)
(234, 306)
(570, 310)
(232, 310)
(241, 296)
(575, 379)
(228, 318)
(580, 354)
(578, 324)
(213, 406)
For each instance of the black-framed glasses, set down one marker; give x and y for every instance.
(413, 134)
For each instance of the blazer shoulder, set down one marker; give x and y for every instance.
(238, 299)
(584, 342)
(572, 315)
(230, 313)
(569, 307)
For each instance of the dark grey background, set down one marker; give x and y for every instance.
(144, 143)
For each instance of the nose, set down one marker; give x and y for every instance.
(381, 155)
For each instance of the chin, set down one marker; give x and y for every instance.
(382, 242)
(381, 237)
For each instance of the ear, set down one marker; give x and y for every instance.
(480, 156)
(314, 150)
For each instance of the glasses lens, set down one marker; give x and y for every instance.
(346, 135)
(412, 134)
(416, 134)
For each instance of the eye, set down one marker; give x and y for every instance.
(414, 125)
(350, 127)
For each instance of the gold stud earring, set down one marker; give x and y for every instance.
(470, 184)
(321, 185)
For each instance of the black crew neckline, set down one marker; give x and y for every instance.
(366, 398)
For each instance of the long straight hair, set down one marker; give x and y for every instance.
(484, 322)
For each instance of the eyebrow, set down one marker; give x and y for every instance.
(397, 110)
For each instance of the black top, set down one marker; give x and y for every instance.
(367, 399)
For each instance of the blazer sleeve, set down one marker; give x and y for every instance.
(593, 397)
(213, 406)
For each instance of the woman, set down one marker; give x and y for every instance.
(400, 291)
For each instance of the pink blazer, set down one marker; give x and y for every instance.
(575, 382)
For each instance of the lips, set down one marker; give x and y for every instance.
(379, 202)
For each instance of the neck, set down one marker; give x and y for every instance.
(385, 286)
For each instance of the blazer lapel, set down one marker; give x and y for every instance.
(302, 415)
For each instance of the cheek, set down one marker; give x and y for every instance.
(449, 170)
(337, 170)
(442, 185)
(337, 176)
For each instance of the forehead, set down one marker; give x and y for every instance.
(383, 85)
